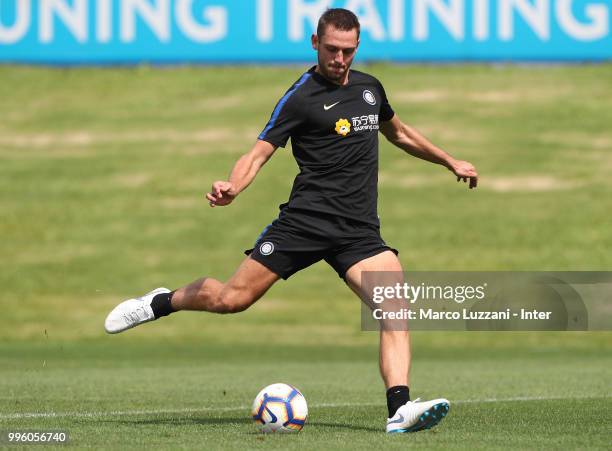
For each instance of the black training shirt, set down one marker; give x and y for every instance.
(334, 136)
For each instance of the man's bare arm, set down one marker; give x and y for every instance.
(246, 168)
(412, 142)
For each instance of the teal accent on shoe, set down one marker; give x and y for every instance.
(428, 419)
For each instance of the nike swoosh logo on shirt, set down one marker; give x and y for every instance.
(327, 107)
(399, 420)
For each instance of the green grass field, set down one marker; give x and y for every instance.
(102, 175)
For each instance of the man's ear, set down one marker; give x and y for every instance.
(314, 39)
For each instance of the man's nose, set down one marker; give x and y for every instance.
(339, 57)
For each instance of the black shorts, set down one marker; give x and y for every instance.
(299, 238)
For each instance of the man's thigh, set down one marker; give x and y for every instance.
(250, 281)
(379, 272)
(382, 269)
(362, 249)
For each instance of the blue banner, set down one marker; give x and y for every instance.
(167, 31)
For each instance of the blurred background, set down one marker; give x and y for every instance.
(116, 116)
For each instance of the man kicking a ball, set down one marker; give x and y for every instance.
(332, 115)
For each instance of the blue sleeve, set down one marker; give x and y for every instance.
(286, 116)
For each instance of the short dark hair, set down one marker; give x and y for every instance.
(340, 19)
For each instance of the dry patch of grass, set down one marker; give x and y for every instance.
(83, 138)
(527, 183)
(409, 180)
(579, 140)
(182, 203)
(498, 183)
(491, 96)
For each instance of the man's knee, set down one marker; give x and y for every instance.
(234, 301)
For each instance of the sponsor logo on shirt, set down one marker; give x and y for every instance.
(366, 122)
(343, 127)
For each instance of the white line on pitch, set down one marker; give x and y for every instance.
(113, 413)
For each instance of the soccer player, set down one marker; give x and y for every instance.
(333, 115)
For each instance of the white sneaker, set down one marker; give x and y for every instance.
(132, 312)
(415, 415)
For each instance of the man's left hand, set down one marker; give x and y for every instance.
(464, 170)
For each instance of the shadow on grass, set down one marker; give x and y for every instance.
(241, 420)
(352, 427)
(181, 421)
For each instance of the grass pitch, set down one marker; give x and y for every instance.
(102, 175)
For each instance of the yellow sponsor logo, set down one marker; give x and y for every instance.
(343, 127)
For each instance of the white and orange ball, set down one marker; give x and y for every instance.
(279, 408)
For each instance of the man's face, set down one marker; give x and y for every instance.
(335, 52)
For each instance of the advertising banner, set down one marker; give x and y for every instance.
(225, 31)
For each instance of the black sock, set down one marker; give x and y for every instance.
(161, 305)
(396, 397)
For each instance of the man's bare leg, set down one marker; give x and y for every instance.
(395, 356)
(250, 281)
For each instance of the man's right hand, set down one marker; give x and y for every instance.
(221, 194)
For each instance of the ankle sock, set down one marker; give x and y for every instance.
(161, 305)
(396, 397)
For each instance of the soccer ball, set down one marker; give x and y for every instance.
(280, 408)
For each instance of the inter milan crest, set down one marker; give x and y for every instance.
(369, 97)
